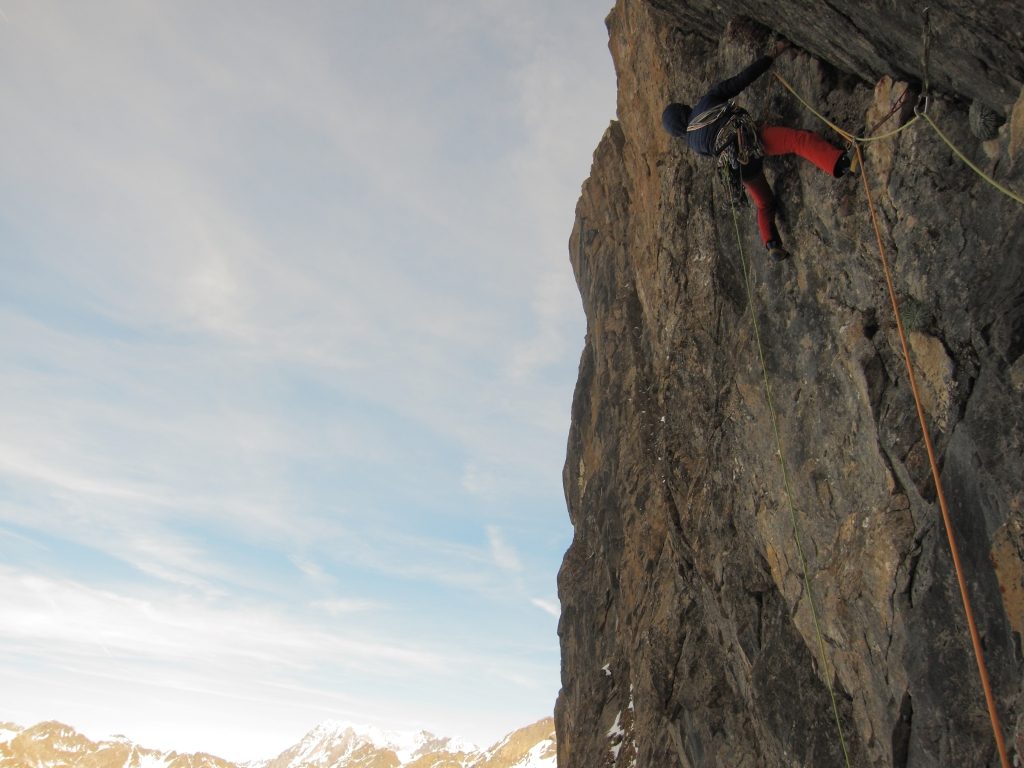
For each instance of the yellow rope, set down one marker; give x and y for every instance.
(846, 135)
(842, 132)
(864, 140)
(788, 486)
(1006, 191)
(890, 134)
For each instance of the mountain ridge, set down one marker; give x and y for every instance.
(330, 744)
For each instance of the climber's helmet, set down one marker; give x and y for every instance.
(674, 119)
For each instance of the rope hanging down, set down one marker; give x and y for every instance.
(788, 485)
(940, 495)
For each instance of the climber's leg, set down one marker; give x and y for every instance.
(778, 140)
(761, 193)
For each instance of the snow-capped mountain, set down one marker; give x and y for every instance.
(529, 747)
(55, 745)
(329, 745)
(335, 744)
(344, 745)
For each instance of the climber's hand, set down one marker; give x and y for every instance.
(781, 46)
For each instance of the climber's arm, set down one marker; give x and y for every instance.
(728, 89)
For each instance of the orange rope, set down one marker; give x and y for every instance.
(947, 521)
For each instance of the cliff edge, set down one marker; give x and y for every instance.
(687, 631)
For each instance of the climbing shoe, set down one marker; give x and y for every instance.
(848, 164)
(776, 251)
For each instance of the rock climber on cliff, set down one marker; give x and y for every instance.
(715, 127)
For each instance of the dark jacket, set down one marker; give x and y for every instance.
(702, 141)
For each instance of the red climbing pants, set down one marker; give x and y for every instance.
(757, 187)
(778, 140)
(807, 144)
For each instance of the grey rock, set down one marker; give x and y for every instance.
(687, 631)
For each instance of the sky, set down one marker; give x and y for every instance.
(288, 340)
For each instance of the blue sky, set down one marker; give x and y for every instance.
(289, 343)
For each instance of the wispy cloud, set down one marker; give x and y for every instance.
(505, 557)
(477, 481)
(313, 571)
(14, 462)
(344, 606)
(288, 324)
(82, 621)
(548, 606)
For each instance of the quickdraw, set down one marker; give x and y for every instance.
(733, 183)
(738, 142)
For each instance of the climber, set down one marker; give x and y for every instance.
(715, 127)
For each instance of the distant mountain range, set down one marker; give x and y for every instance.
(329, 745)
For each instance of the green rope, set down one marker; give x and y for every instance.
(920, 113)
(789, 489)
(841, 131)
(890, 134)
(1005, 190)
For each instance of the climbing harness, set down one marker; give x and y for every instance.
(738, 141)
(733, 182)
(921, 112)
(736, 144)
(826, 668)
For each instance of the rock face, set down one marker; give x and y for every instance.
(688, 630)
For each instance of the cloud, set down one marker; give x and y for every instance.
(288, 319)
(504, 556)
(179, 191)
(14, 462)
(344, 606)
(167, 652)
(78, 621)
(401, 554)
(548, 606)
(313, 571)
(477, 481)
